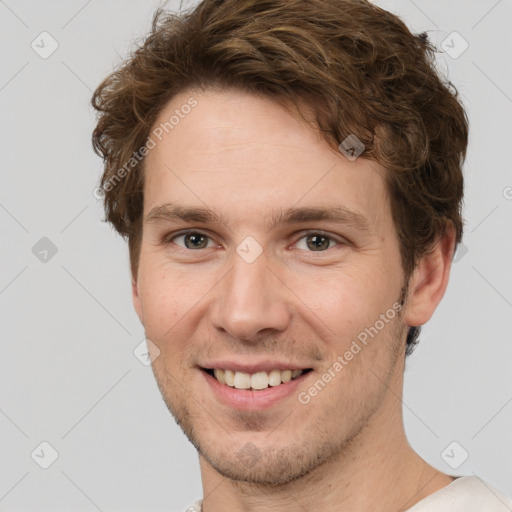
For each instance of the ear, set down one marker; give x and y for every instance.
(429, 280)
(136, 299)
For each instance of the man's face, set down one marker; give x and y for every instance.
(258, 290)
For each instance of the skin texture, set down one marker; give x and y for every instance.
(246, 158)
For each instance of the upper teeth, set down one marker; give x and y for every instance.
(259, 380)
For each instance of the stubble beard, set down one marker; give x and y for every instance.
(275, 466)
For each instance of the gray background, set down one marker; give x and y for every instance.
(69, 375)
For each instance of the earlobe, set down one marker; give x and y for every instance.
(429, 280)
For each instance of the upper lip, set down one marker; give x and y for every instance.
(255, 367)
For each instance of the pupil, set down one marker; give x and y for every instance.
(318, 242)
(195, 240)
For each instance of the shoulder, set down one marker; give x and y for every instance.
(465, 494)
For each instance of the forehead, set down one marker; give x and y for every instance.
(237, 152)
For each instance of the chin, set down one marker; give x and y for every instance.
(271, 467)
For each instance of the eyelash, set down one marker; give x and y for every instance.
(169, 239)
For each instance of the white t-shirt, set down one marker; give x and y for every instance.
(465, 494)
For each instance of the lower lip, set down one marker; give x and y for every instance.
(245, 399)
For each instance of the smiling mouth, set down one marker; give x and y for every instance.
(255, 381)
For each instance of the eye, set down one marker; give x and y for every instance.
(317, 242)
(192, 240)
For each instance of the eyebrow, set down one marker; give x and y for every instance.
(169, 212)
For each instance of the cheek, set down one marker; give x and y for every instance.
(160, 299)
(171, 296)
(346, 300)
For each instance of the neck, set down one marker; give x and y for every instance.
(377, 470)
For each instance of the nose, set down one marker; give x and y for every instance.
(251, 300)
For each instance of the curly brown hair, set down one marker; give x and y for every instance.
(356, 67)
